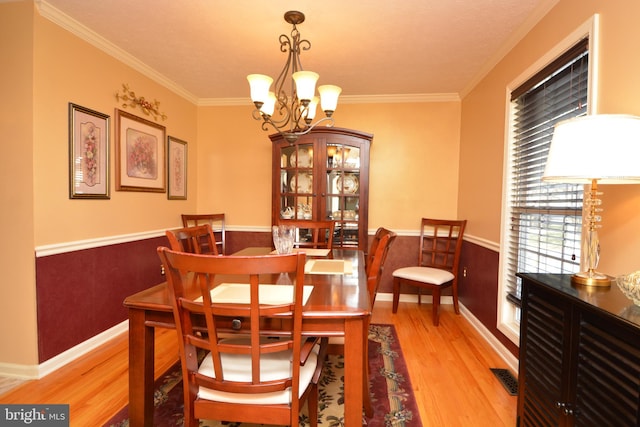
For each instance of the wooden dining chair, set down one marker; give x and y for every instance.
(263, 373)
(312, 234)
(373, 247)
(438, 261)
(376, 257)
(378, 252)
(217, 223)
(196, 240)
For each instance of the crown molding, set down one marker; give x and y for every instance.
(536, 16)
(400, 98)
(347, 99)
(59, 18)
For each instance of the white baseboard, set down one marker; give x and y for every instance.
(502, 351)
(30, 372)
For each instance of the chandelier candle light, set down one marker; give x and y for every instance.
(291, 115)
(592, 149)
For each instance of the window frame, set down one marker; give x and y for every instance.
(508, 316)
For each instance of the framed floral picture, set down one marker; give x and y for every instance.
(88, 153)
(176, 169)
(140, 154)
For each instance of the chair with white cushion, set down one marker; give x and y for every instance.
(438, 260)
(258, 367)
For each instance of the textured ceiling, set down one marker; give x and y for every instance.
(374, 47)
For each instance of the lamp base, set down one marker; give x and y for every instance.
(591, 278)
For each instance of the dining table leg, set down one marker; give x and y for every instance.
(141, 359)
(354, 371)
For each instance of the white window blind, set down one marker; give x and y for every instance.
(546, 218)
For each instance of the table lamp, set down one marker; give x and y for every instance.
(592, 149)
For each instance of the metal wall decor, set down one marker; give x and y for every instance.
(129, 99)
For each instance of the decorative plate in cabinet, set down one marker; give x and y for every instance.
(350, 182)
(303, 183)
(304, 160)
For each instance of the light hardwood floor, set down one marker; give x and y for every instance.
(449, 367)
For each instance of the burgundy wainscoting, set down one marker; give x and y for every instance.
(478, 291)
(238, 240)
(80, 293)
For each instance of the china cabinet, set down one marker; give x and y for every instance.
(324, 175)
(579, 355)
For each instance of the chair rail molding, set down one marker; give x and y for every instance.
(64, 247)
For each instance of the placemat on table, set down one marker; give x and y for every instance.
(238, 293)
(328, 266)
(308, 251)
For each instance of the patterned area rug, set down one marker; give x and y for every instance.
(392, 397)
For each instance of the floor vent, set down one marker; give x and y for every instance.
(507, 379)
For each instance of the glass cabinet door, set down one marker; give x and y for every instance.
(297, 192)
(343, 192)
(324, 176)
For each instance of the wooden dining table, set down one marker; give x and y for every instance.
(337, 306)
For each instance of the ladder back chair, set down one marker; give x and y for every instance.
(438, 261)
(196, 240)
(312, 234)
(267, 370)
(217, 222)
(379, 250)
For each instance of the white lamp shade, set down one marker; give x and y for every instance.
(269, 105)
(305, 84)
(259, 84)
(605, 147)
(329, 97)
(313, 105)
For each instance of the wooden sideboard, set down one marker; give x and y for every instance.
(579, 355)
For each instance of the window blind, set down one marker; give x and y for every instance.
(546, 218)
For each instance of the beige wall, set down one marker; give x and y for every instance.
(234, 166)
(48, 68)
(414, 162)
(483, 123)
(17, 287)
(68, 69)
(428, 159)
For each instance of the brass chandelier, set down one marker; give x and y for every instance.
(292, 115)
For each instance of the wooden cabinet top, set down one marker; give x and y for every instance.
(276, 137)
(610, 300)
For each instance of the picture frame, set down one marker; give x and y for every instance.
(89, 176)
(140, 154)
(176, 169)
